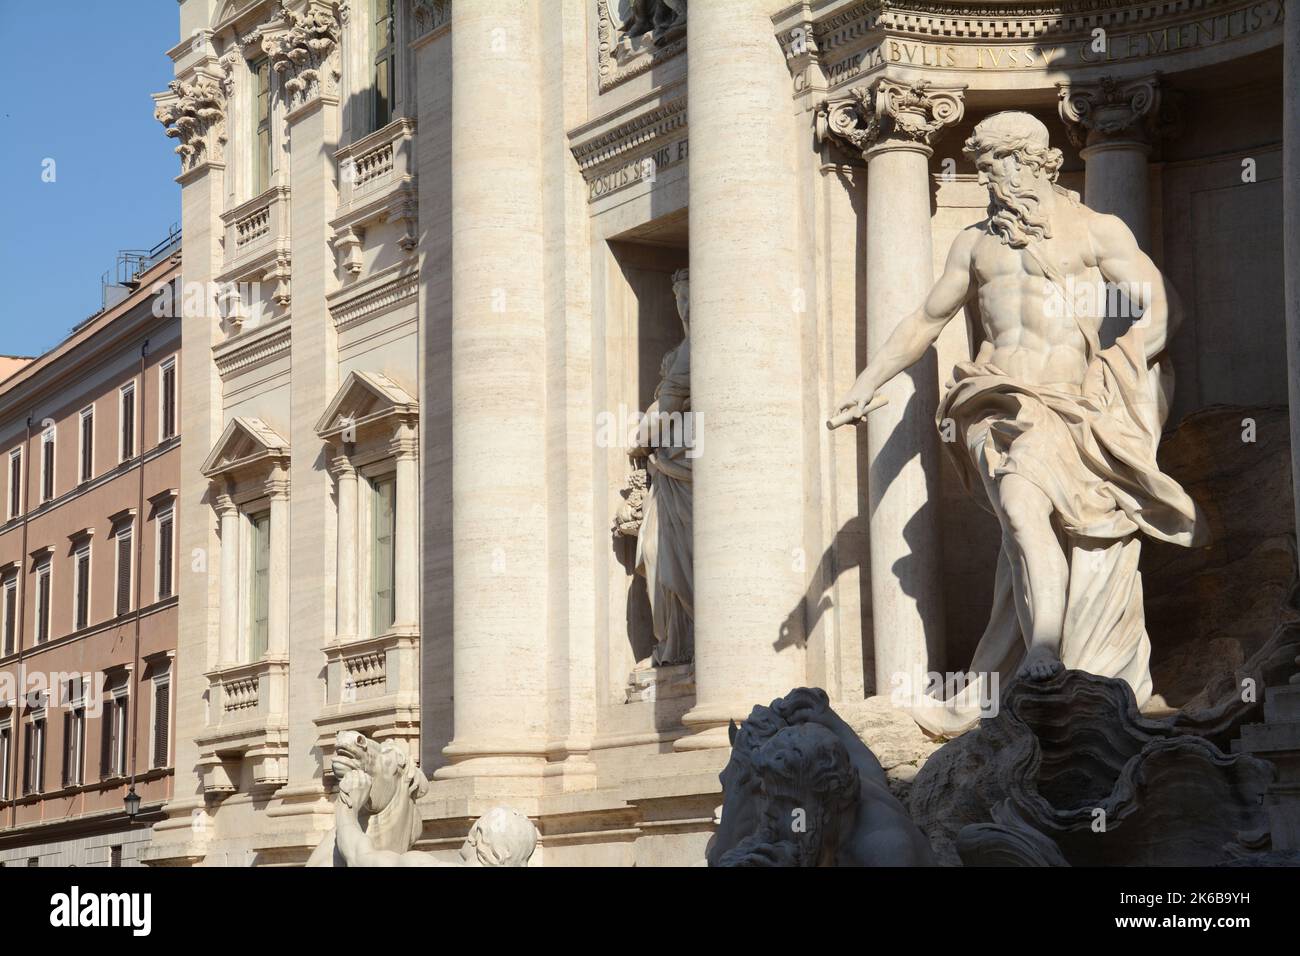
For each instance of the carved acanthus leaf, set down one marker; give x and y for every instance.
(911, 112)
(304, 50)
(194, 112)
(1109, 108)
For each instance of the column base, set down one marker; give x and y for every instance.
(707, 725)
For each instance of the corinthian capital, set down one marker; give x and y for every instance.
(1109, 109)
(194, 112)
(304, 50)
(888, 112)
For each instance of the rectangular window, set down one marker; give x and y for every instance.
(74, 747)
(15, 483)
(127, 405)
(166, 531)
(167, 393)
(259, 586)
(162, 713)
(47, 465)
(81, 607)
(262, 117)
(87, 443)
(112, 755)
(115, 855)
(5, 757)
(43, 603)
(34, 745)
(385, 62)
(124, 571)
(382, 567)
(10, 609)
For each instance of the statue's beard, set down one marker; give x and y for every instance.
(1013, 214)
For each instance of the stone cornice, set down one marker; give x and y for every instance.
(369, 298)
(832, 43)
(635, 142)
(253, 349)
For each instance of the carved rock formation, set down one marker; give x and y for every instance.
(1068, 772)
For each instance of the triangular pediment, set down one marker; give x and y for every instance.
(245, 441)
(363, 398)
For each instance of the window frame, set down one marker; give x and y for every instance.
(125, 454)
(160, 681)
(165, 516)
(125, 530)
(168, 365)
(85, 448)
(81, 586)
(34, 739)
(8, 617)
(253, 516)
(43, 624)
(384, 53)
(15, 498)
(49, 464)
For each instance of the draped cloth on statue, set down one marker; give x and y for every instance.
(664, 543)
(1093, 454)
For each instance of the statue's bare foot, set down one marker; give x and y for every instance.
(1040, 663)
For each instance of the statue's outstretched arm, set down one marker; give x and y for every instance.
(916, 333)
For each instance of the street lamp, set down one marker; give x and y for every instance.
(132, 802)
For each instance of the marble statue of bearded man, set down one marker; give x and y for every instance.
(1054, 434)
(663, 549)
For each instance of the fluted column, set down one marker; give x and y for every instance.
(228, 516)
(277, 642)
(746, 378)
(498, 426)
(345, 474)
(893, 125)
(1113, 123)
(406, 524)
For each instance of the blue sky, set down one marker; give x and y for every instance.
(74, 87)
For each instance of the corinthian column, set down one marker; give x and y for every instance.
(1112, 123)
(498, 428)
(228, 516)
(303, 47)
(345, 475)
(746, 383)
(893, 125)
(406, 582)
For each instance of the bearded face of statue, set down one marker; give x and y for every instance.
(1016, 193)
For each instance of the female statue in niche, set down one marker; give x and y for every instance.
(663, 550)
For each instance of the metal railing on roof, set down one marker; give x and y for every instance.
(120, 281)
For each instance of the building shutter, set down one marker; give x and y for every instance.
(128, 424)
(47, 485)
(169, 401)
(123, 573)
(11, 612)
(43, 605)
(83, 589)
(87, 446)
(162, 696)
(15, 485)
(106, 742)
(68, 746)
(165, 557)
